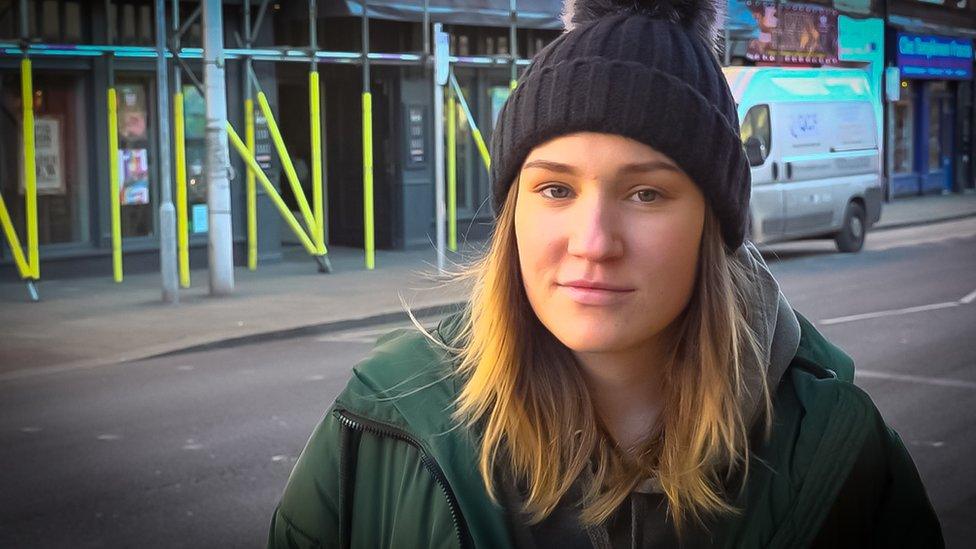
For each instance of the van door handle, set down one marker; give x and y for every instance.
(775, 169)
(789, 170)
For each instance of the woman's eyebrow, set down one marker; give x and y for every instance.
(551, 166)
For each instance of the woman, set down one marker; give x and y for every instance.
(627, 372)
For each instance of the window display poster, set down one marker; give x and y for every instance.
(132, 112)
(48, 157)
(134, 175)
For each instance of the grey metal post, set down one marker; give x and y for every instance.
(439, 184)
(220, 251)
(512, 37)
(167, 212)
(888, 148)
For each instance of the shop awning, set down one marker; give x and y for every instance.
(537, 14)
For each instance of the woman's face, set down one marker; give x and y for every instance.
(608, 233)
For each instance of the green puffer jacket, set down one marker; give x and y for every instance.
(386, 467)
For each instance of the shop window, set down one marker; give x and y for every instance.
(756, 126)
(58, 21)
(61, 155)
(131, 23)
(934, 141)
(135, 178)
(904, 128)
(8, 19)
(195, 120)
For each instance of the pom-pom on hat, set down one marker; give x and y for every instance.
(643, 69)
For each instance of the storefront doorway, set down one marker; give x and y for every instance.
(63, 145)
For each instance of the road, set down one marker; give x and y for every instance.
(193, 450)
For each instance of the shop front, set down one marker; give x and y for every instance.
(928, 145)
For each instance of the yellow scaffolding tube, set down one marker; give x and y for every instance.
(475, 132)
(182, 224)
(369, 240)
(286, 163)
(451, 172)
(252, 199)
(8, 229)
(252, 165)
(30, 170)
(315, 123)
(113, 184)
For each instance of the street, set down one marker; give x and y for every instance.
(193, 450)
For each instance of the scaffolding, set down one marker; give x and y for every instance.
(311, 231)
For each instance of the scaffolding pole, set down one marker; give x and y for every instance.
(368, 230)
(179, 142)
(220, 251)
(167, 213)
(250, 184)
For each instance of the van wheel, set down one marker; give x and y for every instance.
(851, 236)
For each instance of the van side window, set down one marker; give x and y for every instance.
(756, 134)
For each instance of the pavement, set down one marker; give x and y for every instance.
(86, 322)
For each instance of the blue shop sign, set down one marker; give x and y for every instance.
(930, 56)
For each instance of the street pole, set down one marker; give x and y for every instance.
(441, 67)
(220, 242)
(167, 213)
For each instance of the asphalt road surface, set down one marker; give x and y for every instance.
(193, 450)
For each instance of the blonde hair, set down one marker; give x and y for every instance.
(524, 392)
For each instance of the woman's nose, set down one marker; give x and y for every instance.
(594, 234)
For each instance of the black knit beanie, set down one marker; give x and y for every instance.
(643, 69)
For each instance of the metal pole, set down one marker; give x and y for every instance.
(440, 213)
(167, 213)
(512, 44)
(368, 236)
(220, 250)
(179, 142)
(426, 33)
(250, 182)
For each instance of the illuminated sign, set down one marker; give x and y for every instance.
(930, 56)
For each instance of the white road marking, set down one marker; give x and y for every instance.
(966, 300)
(893, 312)
(108, 437)
(278, 458)
(184, 368)
(192, 444)
(939, 381)
(316, 377)
(932, 443)
(970, 297)
(30, 429)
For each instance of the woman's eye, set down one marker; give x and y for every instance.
(555, 191)
(647, 195)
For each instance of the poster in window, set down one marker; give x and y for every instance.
(134, 174)
(132, 112)
(48, 157)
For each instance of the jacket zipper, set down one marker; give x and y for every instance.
(362, 424)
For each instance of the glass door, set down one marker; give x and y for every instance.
(62, 151)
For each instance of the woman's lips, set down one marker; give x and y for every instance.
(595, 296)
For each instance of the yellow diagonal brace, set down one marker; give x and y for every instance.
(286, 164)
(252, 164)
(13, 242)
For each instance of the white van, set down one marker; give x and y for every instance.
(811, 137)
